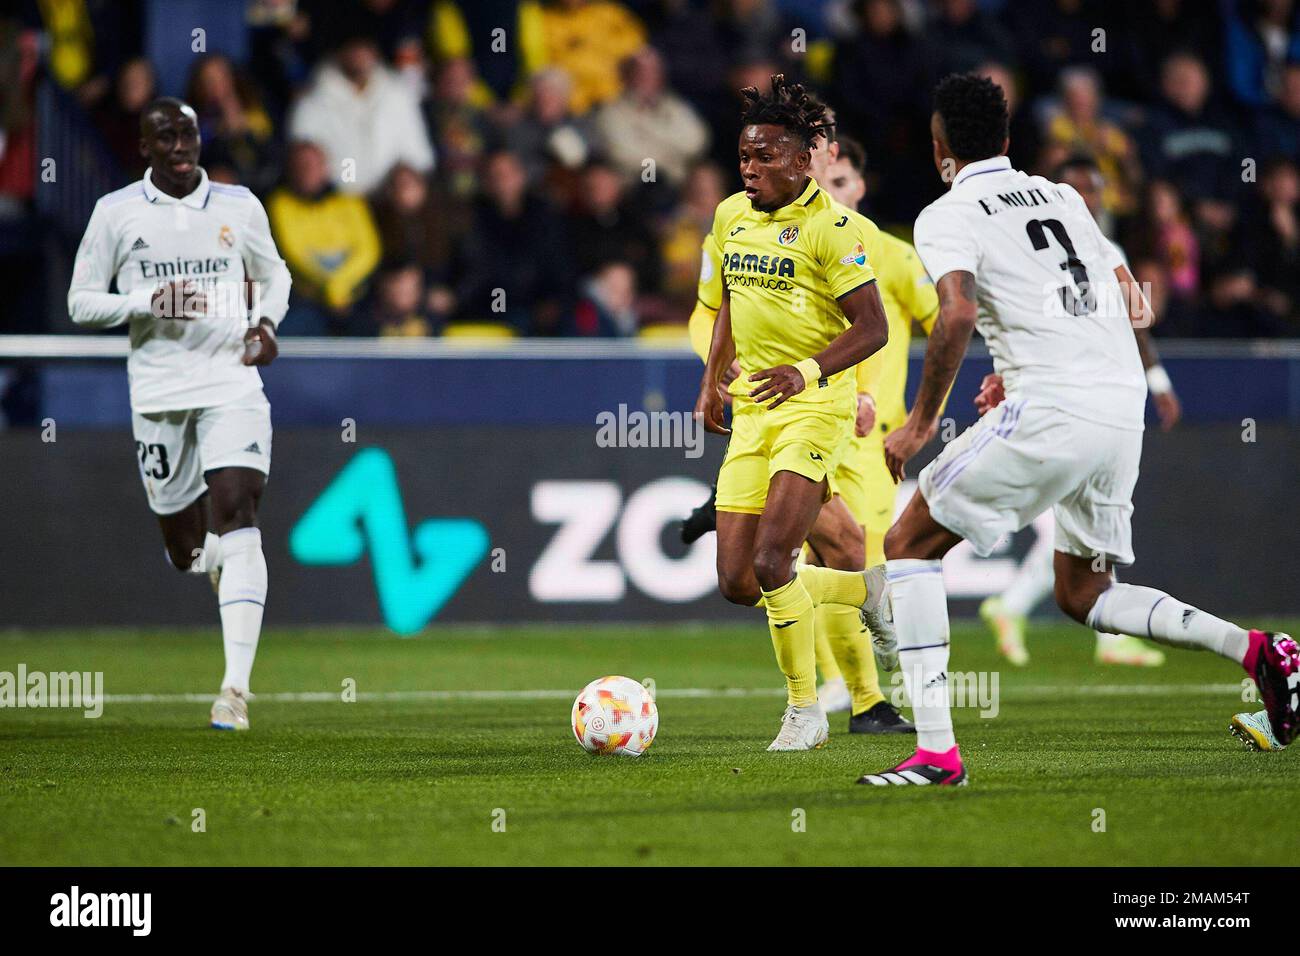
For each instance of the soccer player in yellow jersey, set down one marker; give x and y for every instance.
(799, 309)
(843, 650)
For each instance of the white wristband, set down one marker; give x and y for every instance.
(1158, 380)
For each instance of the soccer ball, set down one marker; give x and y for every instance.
(615, 715)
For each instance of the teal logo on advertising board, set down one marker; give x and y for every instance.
(416, 570)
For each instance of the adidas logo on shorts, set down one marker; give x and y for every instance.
(253, 449)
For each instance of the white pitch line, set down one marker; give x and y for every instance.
(325, 697)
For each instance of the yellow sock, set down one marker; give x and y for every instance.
(828, 586)
(826, 658)
(791, 620)
(851, 644)
(875, 549)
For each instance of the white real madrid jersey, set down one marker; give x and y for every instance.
(218, 237)
(1050, 308)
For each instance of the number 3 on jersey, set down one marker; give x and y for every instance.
(1076, 305)
(161, 468)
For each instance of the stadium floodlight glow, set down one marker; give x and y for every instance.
(416, 570)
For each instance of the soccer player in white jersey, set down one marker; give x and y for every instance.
(1021, 258)
(1005, 613)
(202, 287)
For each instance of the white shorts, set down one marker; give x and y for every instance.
(1021, 459)
(174, 449)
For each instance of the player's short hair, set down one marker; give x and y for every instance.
(855, 153)
(789, 106)
(160, 103)
(974, 113)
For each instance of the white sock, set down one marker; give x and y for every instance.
(921, 620)
(242, 596)
(1033, 582)
(1131, 609)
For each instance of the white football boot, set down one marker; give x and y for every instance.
(230, 710)
(834, 696)
(878, 618)
(802, 728)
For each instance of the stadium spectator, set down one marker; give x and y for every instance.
(235, 126)
(364, 118)
(607, 307)
(650, 122)
(1259, 36)
(1151, 32)
(687, 36)
(460, 126)
(1277, 127)
(679, 245)
(883, 56)
(469, 29)
(1079, 126)
(756, 29)
(607, 225)
(1270, 242)
(548, 132)
(1189, 142)
(962, 36)
(1023, 131)
(515, 259)
(588, 39)
(328, 239)
(118, 116)
(397, 306)
(1054, 35)
(421, 223)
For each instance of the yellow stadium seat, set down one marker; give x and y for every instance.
(665, 333)
(478, 330)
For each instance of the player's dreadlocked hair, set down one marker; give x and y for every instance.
(974, 114)
(789, 106)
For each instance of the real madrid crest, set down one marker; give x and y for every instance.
(226, 237)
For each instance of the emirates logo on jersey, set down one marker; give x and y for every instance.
(226, 237)
(788, 235)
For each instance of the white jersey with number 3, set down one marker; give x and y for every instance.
(1050, 308)
(218, 237)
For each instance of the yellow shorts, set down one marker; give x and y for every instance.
(863, 481)
(801, 437)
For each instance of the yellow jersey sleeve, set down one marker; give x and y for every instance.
(709, 288)
(839, 244)
(700, 329)
(915, 289)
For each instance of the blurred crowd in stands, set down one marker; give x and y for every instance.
(548, 167)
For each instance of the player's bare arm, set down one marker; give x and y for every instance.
(722, 355)
(867, 335)
(943, 356)
(1168, 409)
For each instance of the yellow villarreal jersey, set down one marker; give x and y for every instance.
(908, 295)
(785, 272)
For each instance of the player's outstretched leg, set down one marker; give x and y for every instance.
(241, 594)
(1272, 660)
(914, 547)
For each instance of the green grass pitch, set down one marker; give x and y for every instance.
(419, 768)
